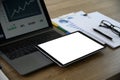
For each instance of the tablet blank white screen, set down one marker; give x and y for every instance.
(70, 47)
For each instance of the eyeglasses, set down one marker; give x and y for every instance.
(108, 25)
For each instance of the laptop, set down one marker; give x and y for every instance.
(23, 25)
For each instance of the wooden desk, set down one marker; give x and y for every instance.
(97, 67)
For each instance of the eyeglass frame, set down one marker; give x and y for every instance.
(110, 26)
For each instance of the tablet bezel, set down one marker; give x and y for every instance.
(77, 59)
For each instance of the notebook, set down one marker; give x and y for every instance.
(68, 49)
(23, 25)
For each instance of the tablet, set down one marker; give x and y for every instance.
(70, 48)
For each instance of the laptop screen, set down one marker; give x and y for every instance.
(18, 17)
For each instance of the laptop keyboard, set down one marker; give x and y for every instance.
(20, 51)
(26, 47)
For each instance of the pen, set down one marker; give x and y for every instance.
(108, 37)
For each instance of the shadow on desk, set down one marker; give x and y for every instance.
(70, 68)
(115, 77)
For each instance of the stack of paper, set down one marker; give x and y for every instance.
(80, 21)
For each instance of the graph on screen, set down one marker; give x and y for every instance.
(19, 9)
